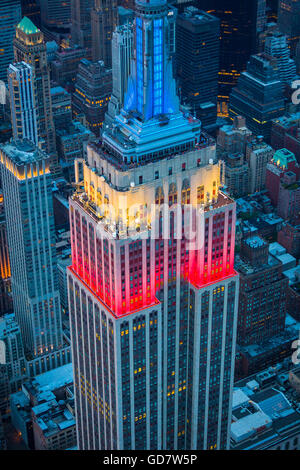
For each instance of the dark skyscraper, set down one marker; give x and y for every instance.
(81, 33)
(289, 21)
(262, 300)
(197, 60)
(92, 93)
(10, 15)
(104, 18)
(241, 21)
(258, 95)
(32, 9)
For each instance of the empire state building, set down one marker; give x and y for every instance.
(152, 288)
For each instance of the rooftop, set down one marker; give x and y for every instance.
(27, 26)
(22, 152)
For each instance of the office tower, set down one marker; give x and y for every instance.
(258, 155)
(61, 107)
(262, 300)
(31, 9)
(122, 49)
(30, 47)
(23, 103)
(65, 66)
(159, 309)
(258, 95)
(197, 60)
(241, 22)
(233, 138)
(289, 237)
(13, 372)
(297, 57)
(10, 15)
(81, 34)
(236, 174)
(55, 14)
(104, 19)
(272, 10)
(289, 21)
(92, 93)
(285, 133)
(27, 189)
(289, 196)
(283, 161)
(5, 285)
(276, 46)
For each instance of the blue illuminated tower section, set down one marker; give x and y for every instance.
(152, 89)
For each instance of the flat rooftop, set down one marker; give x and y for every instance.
(22, 152)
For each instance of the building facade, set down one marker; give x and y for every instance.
(30, 47)
(258, 95)
(10, 16)
(27, 181)
(104, 19)
(23, 102)
(151, 303)
(197, 60)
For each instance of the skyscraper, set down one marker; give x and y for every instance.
(154, 310)
(92, 93)
(122, 50)
(289, 21)
(10, 15)
(23, 103)
(258, 95)
(240, 23)
(81, 33)
(276, 46)
(104, 19)
(30, 47)
(262, 302)
(197, 60)
(27, 189)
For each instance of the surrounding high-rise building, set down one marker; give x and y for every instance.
(283, 160)
(289, 196)
(23, 103)
(197, 60)
(31, 9)
(285, 133)
(92, 93)
(55, 15)
(10, 16)
(258, 155)
(122, 50)
(81, 32)
(27, 189)
(5, 285)
(13, 371)
(276, 46)
(258, 95)
(233, 138)
(156, 310)
(241, 22)
(30, 47)
(262, 299)
(289, 21)
(65, 66)
(104, 19)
